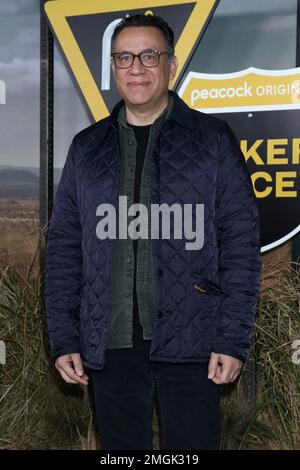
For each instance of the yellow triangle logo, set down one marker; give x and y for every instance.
(83, 30)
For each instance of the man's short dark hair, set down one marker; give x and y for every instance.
(146, 20)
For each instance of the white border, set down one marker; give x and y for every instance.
(281, 240)
(245, 109)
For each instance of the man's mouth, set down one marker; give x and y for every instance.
(138, 84)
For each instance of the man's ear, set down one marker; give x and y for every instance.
(173, 67)
(113, 68)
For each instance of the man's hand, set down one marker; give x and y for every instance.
(223, 369)
(71, 370)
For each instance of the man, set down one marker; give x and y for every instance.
(146, 313)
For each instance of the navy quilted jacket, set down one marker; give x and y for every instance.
(196, 160)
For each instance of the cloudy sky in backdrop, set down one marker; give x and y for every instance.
(264, 28)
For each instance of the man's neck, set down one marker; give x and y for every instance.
(143, 116)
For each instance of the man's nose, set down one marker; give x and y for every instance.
(137, 66)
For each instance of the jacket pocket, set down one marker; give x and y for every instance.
(205, 286)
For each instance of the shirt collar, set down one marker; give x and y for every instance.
(176, 109)
(164, 115)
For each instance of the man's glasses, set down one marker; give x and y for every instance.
(148, 58)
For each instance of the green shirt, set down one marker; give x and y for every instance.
(121, 325)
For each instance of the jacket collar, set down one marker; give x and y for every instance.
(180, 112)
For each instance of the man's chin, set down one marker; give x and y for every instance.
(137, 101)
(138, 96)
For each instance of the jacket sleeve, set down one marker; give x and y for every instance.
(238, 234)
(64, 264)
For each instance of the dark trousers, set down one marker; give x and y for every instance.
(123, 393)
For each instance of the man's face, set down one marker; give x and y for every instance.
(138, 85)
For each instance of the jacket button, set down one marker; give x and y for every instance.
(154, 192)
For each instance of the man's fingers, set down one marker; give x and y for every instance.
(227, 370)
(213, 364)
(77, 363)
(226, 373)
(222, 378)
(66, 378)
(68, 369)
(226, 376)
(218, 371)
(65, 364)
(222, 375)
